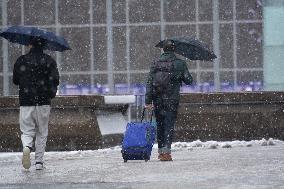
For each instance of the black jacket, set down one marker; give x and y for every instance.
(181, 75)
(37, 75)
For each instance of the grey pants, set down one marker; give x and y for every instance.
(34, 124)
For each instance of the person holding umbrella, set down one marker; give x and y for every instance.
(162, 89)
(163, 86)
(37, 76)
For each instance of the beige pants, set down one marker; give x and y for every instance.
(34, 124)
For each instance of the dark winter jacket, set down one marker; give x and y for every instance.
(181, 74)
(37, 75)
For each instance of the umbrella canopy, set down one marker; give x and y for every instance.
(24, 34)
(190, 48)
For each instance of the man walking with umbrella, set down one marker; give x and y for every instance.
(163, 86)
(37, 76)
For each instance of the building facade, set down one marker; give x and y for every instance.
(113, 41)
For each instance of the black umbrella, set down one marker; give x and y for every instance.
(24, 34)
(190, 48)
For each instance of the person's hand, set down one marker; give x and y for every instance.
(149, 106)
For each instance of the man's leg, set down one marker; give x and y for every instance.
(169, 122)
(43, 113)
(27, 126)
(160, 130)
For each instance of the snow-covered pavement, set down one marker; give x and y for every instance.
(224, 165)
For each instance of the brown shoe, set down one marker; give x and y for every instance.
(160, 155)
(165, 157)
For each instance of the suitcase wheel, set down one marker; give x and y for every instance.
(125, 160)
(146, 158)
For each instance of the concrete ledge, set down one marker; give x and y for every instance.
(87, 122)
(73, 123)
(230, 116)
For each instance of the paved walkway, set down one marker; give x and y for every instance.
(255, 167)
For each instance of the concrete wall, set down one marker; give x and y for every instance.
(230, 116)
(215, 116)
(73, 123)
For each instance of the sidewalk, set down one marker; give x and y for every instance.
(256, 166)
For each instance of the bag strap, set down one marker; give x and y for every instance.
(143, 113)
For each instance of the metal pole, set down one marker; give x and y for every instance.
(127, 46)
(5, 52)
(235, 44)
(216, 45)
(197, 35)
(92, 46)
(127, 35)
(162, 18)
(23, 21)
(57, 30)
(109, 46)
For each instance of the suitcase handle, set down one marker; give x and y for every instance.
(143, 113)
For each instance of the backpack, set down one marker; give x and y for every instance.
(163, 72)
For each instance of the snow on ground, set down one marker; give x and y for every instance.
(177, 146)
(205, 165)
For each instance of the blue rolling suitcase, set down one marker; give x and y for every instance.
(138, 140)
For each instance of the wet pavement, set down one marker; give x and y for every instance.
(254, 167)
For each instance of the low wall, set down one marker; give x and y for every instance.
(86, 122)
(230, 116)
(73, 123)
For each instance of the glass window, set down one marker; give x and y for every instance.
(226, 46)
(138, 78)
(101, 79)
(99, 11)
(227, 76)
(244, 77)
(100, 48)
(206, 36)
(180, 30)
(1, 85)
(144, 11)
(119, 48)
(14, 17)
(13, 89)
(118, 11)
(205, 10)
(226, 9)
(142, 46)
(75, 79)
(39, 12)
(1, 13)
(179, 10)
(77, 59)
(1, 57)
(207, 77)
(15, 51)
(227, 81)
(249, 45)
(249, 10)
(74, 12)
(120, 78)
